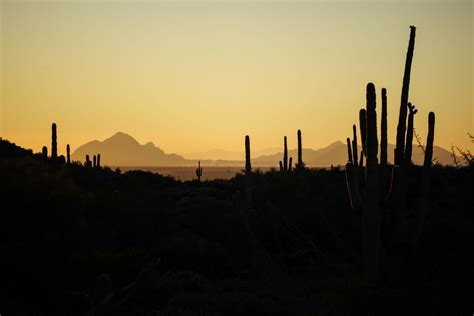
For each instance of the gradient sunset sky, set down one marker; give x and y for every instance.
(198, 75)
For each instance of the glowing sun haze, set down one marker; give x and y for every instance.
(194, 76)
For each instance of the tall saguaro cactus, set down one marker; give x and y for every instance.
(54, 143)
(383, 130)
(300, 152)
(409, 142)
(98, 160)
(425, 181)
(371, 212)
(94, 159)
(68, 154)
(401, 127)
(248, 173)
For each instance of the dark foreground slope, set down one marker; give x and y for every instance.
(78, 239)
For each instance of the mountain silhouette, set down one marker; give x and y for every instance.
(336, 154)
(123, 150)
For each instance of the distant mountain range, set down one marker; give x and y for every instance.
(123, 150)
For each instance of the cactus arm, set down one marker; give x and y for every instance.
(362, 127)
(289, 164)
(409, 141)
(354, 146)
(285, 155)
(349, 149)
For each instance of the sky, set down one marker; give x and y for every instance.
(192, 76)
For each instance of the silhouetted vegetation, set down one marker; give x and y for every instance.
(80, 238)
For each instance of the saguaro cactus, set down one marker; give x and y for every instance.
(88, 161)
(409, 142)
(354, 146)
(300, 152)
(68, 154)
(285, 166)
(383, 130)
(44, 152)
(199, 171)
(429, 141)
(54, 144)
(425, 181)
(371, 213)
(94, 164)
(98, 160)
(368, 200)
(248, 173)
(401, 128)
(349, 150)
(363, 127)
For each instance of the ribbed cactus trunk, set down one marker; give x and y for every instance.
(354, 146)
(88, 161)
(94, 159)
(290, 163)
(409, 141)
(68, 154)
(300, 151)
(98, 160)
(44, 152)
(401, 127)
(383, 130)
(363, 131)
(285, 155)
(54, 143)
(248, 173)
(371, 212)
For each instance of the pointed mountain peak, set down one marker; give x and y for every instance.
(121, 137)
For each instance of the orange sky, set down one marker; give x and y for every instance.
(199, 75)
